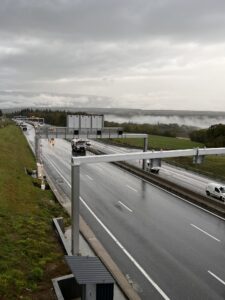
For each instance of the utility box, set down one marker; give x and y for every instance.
(92, 277)
(40, 171)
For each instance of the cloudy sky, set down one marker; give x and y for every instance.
(149, 54)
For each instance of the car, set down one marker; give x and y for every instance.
(215, 190)
(88, 143)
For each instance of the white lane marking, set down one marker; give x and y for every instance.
(89, 177)
(155, 285)
(125, 206)
(178, 197)
(127, 253)
(130, 187)
(213, 237)
(219, 279)
(54, 166)
(100, 169)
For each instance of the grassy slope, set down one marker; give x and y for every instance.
(213, 166)
(29, 251)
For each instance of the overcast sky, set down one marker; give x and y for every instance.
(149, 54)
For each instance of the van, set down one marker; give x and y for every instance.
(154, 165)
(216, 190)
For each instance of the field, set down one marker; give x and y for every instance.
(30, 254)
(159, 142)
(213, 166)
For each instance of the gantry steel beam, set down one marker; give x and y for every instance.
(146, 155)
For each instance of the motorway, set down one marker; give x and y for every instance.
(168, 248)
(174, 174)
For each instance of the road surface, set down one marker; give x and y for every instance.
(168, 248)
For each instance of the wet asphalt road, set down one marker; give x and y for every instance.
(167, 248)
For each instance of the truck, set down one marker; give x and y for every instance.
(78, 147)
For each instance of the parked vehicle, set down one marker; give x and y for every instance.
(78, 147)
(216, 190)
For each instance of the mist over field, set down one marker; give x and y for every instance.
(197, 121)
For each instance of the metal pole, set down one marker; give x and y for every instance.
(37, 152)
(145, 150)
(75, 195)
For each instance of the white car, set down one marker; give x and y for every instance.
(88, 143)
(216, 190)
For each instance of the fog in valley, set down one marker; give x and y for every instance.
(197, 121)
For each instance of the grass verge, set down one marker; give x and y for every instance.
(30, 254)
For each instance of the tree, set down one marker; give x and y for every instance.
(214, 136)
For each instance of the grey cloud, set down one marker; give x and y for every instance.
(113, 20)
(123, 49)
(18, 99)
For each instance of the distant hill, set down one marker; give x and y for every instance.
(127, 112)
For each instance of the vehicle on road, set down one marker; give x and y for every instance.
(52, 142)
(154, 165)
(78, 147)
(88, 143)
(216, 190)
(23, 127)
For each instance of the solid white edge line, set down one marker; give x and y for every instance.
(219, 279)
(119, 244)
(54, 166)
(127, 253)
(125, 206)
(131, 188)
(206, 233)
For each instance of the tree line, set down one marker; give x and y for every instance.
(169, 130)
(56, 118)
(214, 136)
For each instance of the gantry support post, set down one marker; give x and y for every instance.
(75, 205)
(145, 150)
(37, 147)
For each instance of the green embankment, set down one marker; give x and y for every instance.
(30, 254)
(213, 166)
